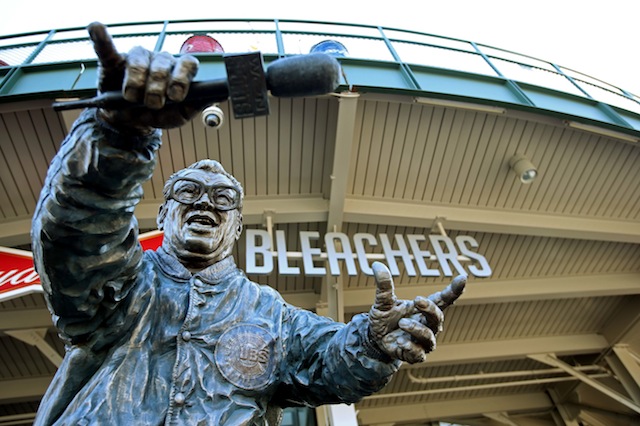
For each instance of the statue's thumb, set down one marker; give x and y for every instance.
(103, 45)
(385, 295)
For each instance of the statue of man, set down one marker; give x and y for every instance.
(180, 335)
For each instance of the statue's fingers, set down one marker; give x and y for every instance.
(183, 73)
(431, 313)
(106, 51)
(160, 71)
(411, 347)
(137, 71)
(421, 336)
(385, 295)
(451, 293)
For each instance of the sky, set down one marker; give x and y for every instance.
(595, 37)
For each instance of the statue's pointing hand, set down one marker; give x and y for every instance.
(407, 329)
(148, 79)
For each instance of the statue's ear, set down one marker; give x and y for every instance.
(162, 214)
(239, 227)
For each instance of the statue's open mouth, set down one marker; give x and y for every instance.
(202, 220)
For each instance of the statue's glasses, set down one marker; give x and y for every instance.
(188, 191)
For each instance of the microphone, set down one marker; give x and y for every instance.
(246, 84)
(304, 75)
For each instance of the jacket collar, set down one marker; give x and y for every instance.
(213, 274)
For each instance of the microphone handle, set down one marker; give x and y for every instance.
(209, 91)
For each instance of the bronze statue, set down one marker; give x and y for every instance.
(180, 335)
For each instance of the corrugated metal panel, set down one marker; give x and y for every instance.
(28, 140)
(288, 152)
(30, 301)
(502, 321)
(456, 157)
(18, 359)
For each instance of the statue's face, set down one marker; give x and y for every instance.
(202, 222)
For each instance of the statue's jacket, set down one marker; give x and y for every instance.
(146, 341)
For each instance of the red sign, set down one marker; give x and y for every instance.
(151, 240)
(18, 276)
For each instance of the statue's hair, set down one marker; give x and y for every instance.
(207, 165)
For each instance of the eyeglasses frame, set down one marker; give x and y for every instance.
(207, 189)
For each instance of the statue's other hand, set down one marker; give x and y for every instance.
(148, 80)
(403, 329)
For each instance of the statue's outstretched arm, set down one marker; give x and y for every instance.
(84, 232)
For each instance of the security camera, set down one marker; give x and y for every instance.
(212, 116)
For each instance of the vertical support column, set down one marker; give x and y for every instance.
(345, 127)
(338, 415)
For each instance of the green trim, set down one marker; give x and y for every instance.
(77, 76)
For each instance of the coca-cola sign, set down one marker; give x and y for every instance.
(18, 276)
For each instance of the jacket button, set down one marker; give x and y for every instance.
(186, 336)
(179, 398)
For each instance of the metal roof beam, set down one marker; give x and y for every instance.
(500, 291)
(35, 337)
(486, 220)
(552, 360)
(486, 351)
(453, 408)
(625, 326)
(24, 388)
(22, 319)
(15, 232)
(397, 213)
(284, 210)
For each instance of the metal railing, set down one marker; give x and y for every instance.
(410, 53)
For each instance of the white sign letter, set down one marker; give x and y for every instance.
(451, 255)
(346, 254)
(308, 252)
(263, 249)
(485, 269)
(283, 263)
(391, 254)
(362, 254)
(420, 255)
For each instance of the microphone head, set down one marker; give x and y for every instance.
(303, 75)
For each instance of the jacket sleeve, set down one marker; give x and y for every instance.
(84, 233)
(327, 362)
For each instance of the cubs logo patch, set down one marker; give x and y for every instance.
(245, 356)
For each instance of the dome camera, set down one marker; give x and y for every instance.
(213, 116)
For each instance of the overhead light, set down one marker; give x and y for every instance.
(524, 168)
(201, 43)
(602, 131)
(460, 105)
(330, 47)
